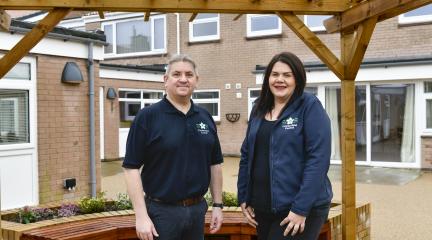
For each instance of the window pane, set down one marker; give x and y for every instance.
(333, 108)
(206, 15)
(134, 36)
(316, 20)
(108, 29)
(152, 95)
(426, 10)
(204, 29)
(427, 87)
(204, 95)
(361, 123)
(392, 126)
(212, 108)
(255, 93)
(128, 111)
(313, 90)
(19, 71)
(159, 32)
(429, 113)
(260, 23)
(14, 117)
(130, 94)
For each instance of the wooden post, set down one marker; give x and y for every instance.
(31, 39)
(348, 150)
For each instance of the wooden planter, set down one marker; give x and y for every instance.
(121, 225)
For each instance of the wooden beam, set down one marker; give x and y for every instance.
(359, 46)
(101, 15)
(31, 39)
(237, 17)
(147, 16)
(217, 6)
(193, 16)
(371, 8)
(313, 42)
(5, 20)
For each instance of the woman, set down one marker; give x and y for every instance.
(283, 188)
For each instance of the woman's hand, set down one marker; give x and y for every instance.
(296, 224)
(249, 214)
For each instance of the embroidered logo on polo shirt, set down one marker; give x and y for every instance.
(289, 123)
(202, 128)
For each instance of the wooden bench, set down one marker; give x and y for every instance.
(123, 227)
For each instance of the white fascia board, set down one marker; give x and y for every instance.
(384, 73)
(130, 75)
(114, 16)
(36, 18)
(72, 23)
(54, 47)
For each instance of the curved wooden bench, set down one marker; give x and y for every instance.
(123, 227)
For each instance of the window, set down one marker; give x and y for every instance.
(428, 99)
(205, 27)
(14, 116)
(253, 95)
(21, 71)
(315, 22)
(419, 15)
(135, 37)
(210, 100)
(131, 102)
(263, 25)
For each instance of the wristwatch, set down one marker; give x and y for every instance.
(219, 205)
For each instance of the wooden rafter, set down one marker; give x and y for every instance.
(237, 17)
(219, 6)
(192, 17)
(358, 47)
(313, 42)
(383, 9)
(31, 39)
(5, 20)
(147, 16)
(101, 15)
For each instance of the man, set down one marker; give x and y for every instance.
(176, 143)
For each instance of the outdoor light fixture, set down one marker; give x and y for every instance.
(72, 73)
(111, 94)
(69, 184)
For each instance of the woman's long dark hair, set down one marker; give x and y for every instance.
(265, 102)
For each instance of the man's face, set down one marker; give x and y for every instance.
(181, 80)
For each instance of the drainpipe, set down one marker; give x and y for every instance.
(178, 32)
(90, 69)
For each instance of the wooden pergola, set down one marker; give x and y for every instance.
(355, 20)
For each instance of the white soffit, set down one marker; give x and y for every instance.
(130, 75)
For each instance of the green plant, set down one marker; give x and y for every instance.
(26, 215)
(92, 205)
(229, 199)
(123, 202)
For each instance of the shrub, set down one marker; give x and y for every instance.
(43, 214)
(228, 199)
(26, 215)
(123, 202)
(92, 205)
(68, 210)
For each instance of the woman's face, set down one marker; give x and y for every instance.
(282, 82)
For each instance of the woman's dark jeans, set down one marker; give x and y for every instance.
(269, 225)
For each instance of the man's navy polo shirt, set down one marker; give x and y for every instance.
(175, 150)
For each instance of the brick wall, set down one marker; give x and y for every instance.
(112, 114)
(63, 130)
(426, 151)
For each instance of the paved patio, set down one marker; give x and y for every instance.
(401, 198)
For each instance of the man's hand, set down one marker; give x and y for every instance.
(295, 222)
(216, 220)
(249, 214)
(145, 229)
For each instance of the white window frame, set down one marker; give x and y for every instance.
(210, 100)
(314, 29)
(415, 19)
(153, 51)
(208, 37)
(251, 100)
(139, 100)
(30, 86)
(426, 96)
(251, 33)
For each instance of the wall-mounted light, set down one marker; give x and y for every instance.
(111, 94)
(72, 73)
